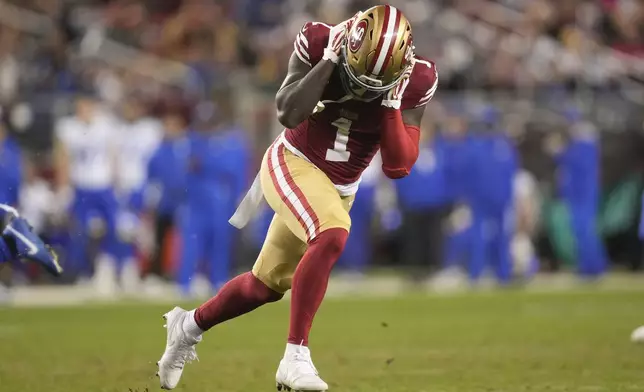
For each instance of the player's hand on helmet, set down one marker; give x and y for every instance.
(393, 97)
(337, 37)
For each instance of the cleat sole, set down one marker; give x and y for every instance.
(282, 387)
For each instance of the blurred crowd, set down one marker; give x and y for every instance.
(531, 159)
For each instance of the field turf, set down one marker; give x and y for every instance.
(512, 341)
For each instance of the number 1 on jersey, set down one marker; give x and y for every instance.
(339, 152)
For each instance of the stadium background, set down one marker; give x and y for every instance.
(537, 63)
(532, 61)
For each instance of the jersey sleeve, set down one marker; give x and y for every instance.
(422, 86)
(310, 42)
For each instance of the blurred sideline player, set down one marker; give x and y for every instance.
(456, 140)
(17, 241)
(577, 157)
(85, 169)
(494, 165)
(10, 168)
(422, 200)
(215, 181)
(138, 140)
(165, 189)
(351, 89)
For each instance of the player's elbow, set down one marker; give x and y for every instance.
(399, 168)
(287, 108)
(291, 109)
(287, 118)
(395, 173)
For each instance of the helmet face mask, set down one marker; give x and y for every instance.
(377, 52)
(360, 87)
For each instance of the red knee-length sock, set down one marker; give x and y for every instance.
(241, 295)
(311, 279)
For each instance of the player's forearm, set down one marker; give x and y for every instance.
(296, 101)
(398, 145)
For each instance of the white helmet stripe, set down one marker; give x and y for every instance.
(389, 38)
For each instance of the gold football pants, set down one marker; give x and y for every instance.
(305, 202)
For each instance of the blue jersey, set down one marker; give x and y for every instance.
(492, 169)
(217, 169)
(10, 172)
(426, 184)
(458, 166)
(578, 176)
(166, 175)
(92, 149)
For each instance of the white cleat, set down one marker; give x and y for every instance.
(297, 373)
(179, 349)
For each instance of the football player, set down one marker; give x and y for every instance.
(351, 89)
(85, 157)
(139, 137)
(18, 241)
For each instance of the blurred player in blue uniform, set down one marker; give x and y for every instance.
(166, 190)
(10, 168)
(423, 199)
(138, 137)
(85, 153)
(494, 166)
(455, 141)
(217, 177)
(578, 183)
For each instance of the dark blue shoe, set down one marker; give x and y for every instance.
(29, 246)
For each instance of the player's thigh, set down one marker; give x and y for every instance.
(302, 195)
(347, 202)
(280, 254)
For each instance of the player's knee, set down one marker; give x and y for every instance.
(333, 240)
(263, 292)
(272, 287)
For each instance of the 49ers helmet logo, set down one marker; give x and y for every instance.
(357, 36)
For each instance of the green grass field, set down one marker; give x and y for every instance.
(508, 341)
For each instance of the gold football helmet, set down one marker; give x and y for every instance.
(377, 51)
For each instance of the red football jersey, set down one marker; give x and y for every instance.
(342, 139)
